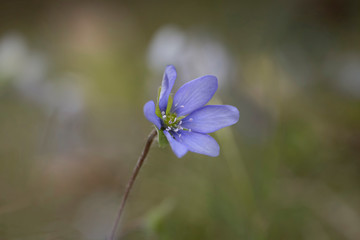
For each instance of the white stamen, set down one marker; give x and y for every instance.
(189, 130)
(164, 116)
(174, 119)
(179, 135)
(180, 122)
(190, 120)
(180, 127)
(176, 130)
(182, 106)
(176, 104)
(163, 113)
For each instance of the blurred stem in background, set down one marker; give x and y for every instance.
(236, 165)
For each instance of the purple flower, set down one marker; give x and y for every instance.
(184, 120)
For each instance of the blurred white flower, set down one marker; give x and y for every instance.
(193, 53)
(166, 46)
(61, 97)
(13, 53)
(28, 72)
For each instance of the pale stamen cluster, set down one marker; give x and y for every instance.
(173, 124)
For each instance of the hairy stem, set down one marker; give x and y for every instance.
(132, 180)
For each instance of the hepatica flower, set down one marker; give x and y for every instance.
(183, 120)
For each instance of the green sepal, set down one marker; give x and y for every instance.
(180, 118)
(157, 108)
(163, 142)
(169, 104)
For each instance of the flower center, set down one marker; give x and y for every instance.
(171, 122)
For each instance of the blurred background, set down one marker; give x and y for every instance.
(74, 77)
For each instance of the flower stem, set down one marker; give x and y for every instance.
(132, 180)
